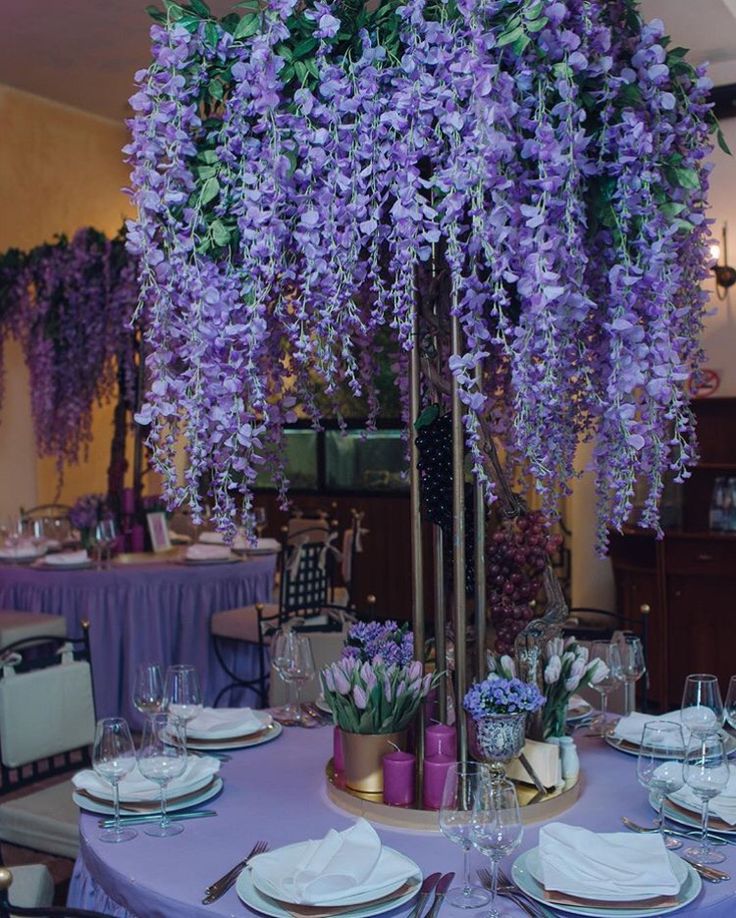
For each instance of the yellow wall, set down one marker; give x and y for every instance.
(60, 169)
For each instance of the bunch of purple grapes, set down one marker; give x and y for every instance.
(517, 555)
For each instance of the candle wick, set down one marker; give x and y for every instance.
(394, 745)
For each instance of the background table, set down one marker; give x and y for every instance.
(156, 612)
(276, 792)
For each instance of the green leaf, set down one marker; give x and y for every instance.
(211, 34)
(216, 89)
(722, 142)
(687, 178)
(684, 224)
(220, 233)
(678, 52)
(300, 68)
(199, 6)
(305, 47)
(190, 22)
(230, 22)
(312, 68)
(210, 190)
(247, 27)
(672, 209)
(208, 156)
(534, 11)
(284, 51)
(155, 13)
(520, 45)
(427, 417)
(205, 172)
(537, 25)
(508, 38)
(174, 10)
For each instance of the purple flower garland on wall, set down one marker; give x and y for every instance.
(296, 169)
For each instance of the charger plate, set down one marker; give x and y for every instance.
(630, 748)
(528, 866)
(678, 813)
(192, 800)
(74, 566)
(260, 902)
(252, 739)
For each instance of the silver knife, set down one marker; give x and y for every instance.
(439, 894)
(155, 817)
(425, 892)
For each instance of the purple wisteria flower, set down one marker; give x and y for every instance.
(502, 696)
(88, 511)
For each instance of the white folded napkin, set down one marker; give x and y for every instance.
(67, 557)
(134, 788)
(200, 552)
(615, 866)
(22, 550)
(723, 806)
(631, 727)
(339, 866)
(223, 723)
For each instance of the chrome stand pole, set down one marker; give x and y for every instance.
(480, 565)
(458, 519)
(440, 641)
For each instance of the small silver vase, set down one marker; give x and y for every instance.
(497, 739)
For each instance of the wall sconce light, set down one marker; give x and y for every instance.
(725, 275)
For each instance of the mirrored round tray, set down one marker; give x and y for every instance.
(536, 807)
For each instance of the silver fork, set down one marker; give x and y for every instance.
(507, 884)
(221, 886)
(509, 891)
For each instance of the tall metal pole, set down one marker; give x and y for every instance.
(440, 643)
(458, 521)
(480, 563)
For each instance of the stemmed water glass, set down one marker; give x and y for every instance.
(608, 652)
(293, 660)
(106, 535)
(161, 758)
(706, 774)
(113, 757)
(497, 828)
(148, 691)
(729, 707)
(182, 693)
(260, 519)
(456, 823)
(633, 665)
(659, 766)
(279, 661)
(702, 707)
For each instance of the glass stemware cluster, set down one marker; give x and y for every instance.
(482, 812)
(291, 656)
(168, 704)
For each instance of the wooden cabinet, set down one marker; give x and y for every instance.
(688, 579)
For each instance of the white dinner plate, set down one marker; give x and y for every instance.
(20, 559)
(633, 748)
(579, 710)
(74, 566)
(198, 562)
(527, 867)
(263, 718)
(268, 906)
(322, 705)
(691, 820)
(272, 731)
(91, 806)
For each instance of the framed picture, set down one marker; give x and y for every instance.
(158, 529)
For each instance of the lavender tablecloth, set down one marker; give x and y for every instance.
(156, 612)
(276, 792)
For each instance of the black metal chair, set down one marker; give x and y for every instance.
(11, 910)
(306, 576)
(47, 722)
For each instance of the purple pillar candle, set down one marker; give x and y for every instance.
(435, 772)
(128, 501)
(431, 706)
(440, 739)
(337, 754)
(398, 778)
(137, 538)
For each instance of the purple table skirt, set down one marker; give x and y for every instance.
(276, 792)
(145, 613)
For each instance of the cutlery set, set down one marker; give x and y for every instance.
(155, 817)
(508, 890)
(437, 883)
(221, 886)
(713, 837)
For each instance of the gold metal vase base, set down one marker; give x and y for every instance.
(363, 757)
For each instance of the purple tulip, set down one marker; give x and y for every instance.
(329, 679)
(342, 685)
(360, 698)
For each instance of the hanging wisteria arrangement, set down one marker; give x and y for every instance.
(307, 173)
(71, 305)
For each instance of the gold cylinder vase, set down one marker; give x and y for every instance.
(363, 758)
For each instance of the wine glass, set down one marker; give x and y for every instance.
(296, 663)
(279, 660)
(148, 691)
(702, 707)
(161, 758)
(182, 693)
(496, 828)
(608, 652)
(260, 518)
(456, 823)
(113, 757)
(659, 766)
(729, 708)
(633, 665)
(106, 535)
(706, 774)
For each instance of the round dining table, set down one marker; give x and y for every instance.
(276, 793)
(149, 612)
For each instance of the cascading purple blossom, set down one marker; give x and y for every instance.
(305, 176)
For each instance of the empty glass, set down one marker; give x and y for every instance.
(293, 661)
(260, 517)
(659, 766)
(633, 665)
(182, 693)
(456, 823)
(729, 708)
(608, 652)
(113, 757)
(706, 774)
(106, 536)
(161, 758)
(148, 691)
(702, 707)
(497, 827)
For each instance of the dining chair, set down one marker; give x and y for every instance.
(33, 892)
(17, 626)
(47, 724)
(306, 569)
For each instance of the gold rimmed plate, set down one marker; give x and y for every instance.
(103, 807)
(266, 735)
